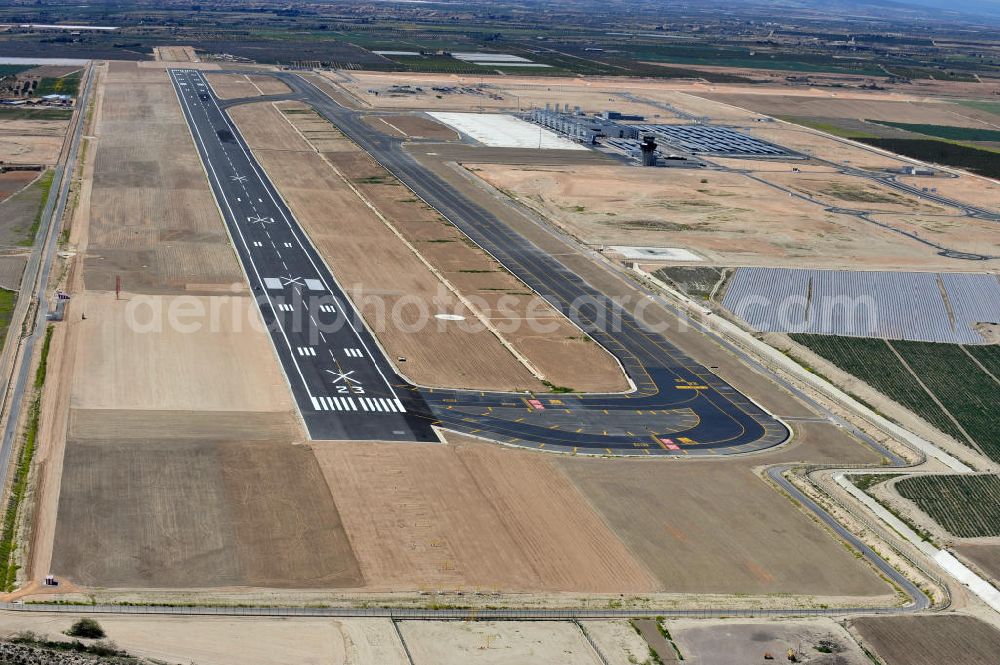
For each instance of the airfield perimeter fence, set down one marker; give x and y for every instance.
(438, 614)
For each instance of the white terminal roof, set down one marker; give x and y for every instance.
(505, 131)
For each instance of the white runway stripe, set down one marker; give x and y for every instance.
(400, 406)
(315, 403)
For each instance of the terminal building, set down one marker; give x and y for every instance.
(669, 141)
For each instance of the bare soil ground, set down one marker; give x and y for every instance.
(216, 640)
(813, 143)
(174, 54)
(154, 221)
(619, 643)
(724, 642)
(26, 148)
(951, 230)
(896, 108)
(412, 127)
(11, 270)
(837, 189)
(12, 181)
(929, 640)
(496, 643)
(969, 188)
(717, 528)
(727, 218)
(226, 364)
(428, 255)
(160, 512)
(232, 86)
(472, 515)
(984, 555)
(268, 85)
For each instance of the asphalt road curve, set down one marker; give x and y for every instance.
(678, 408)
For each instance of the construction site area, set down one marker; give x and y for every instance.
(340, 340)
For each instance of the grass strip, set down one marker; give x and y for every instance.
(8, 300)
(19, 485)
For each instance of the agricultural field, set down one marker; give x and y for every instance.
(904, 139)
(949, 132)
(929, 640)
(21, 214)
(976, 160)
(7, 301)
(967, 506)
(969, 397)
(61, 85)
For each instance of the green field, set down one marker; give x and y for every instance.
(967, 393)
(23, 113)
(7, 301)
(64, 85)
(967, 506)
(13, 70)
(829, 128)
(989, 107)
(945, 131)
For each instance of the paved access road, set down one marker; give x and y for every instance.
(679, 407)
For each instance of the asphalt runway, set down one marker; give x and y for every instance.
(679, 407)
(342, 383)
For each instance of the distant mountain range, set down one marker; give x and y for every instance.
(990, 8)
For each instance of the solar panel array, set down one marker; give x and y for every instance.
(712, 140)
(919, 306)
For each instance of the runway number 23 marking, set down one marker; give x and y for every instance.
(350, 385)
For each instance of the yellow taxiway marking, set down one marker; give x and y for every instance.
(519, 420)
(691, 387)
(609, 451)
(541, 445)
